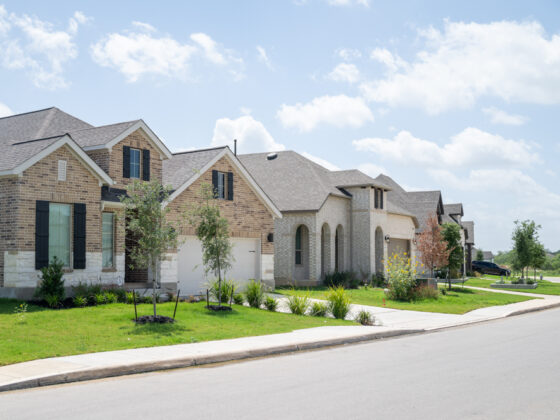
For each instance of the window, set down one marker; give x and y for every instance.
(135, 163)
(62, 170)
(298, 246)
(221, 189)
(107, 239)
(59, 232)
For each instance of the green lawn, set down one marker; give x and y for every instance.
(48, 333)
(457, 301)
(545, 287)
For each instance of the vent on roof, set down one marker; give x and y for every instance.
(271, 156)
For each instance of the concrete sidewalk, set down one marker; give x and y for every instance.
(389, 323)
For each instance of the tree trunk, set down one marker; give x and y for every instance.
(219, 279)
(154, 284)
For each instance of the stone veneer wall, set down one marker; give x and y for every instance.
(40, 182)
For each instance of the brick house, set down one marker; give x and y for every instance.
(60, 183)
(331, 220)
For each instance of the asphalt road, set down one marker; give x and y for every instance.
(507, 369)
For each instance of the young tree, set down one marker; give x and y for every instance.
(213, 232)
(479, 255)
(525, 236)
(451, 233)
(432, 247)
(538, 257)
(152, 232)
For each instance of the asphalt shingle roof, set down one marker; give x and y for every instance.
(295, 183)
(469, 226)
(15, 154)
(183, 166)
(98, 136)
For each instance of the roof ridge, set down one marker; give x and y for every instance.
(25, 113)
(41, 139)
(200, 150)
(102, 126)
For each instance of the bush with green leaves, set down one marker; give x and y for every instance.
(121, 294)
(339, 302)
(51, 287)
(318, 309)
(227, 288)
(271, 304)
(425, 292)
(148, 299)
(401, 278)
(365, 317)
(130, 297)
(342, 278)
(255, 293)
(100, 299)
(298, 304)
(110, 297)
(79, 301)
(378, 280)
(238, 299)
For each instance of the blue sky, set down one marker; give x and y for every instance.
(462, 97)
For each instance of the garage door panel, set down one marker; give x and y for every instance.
(191, 276)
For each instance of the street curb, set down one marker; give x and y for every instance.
(136, 368)
(537, 309)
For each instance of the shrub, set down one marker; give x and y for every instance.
(238, 299)
(443, 292)
(298, 304)
(110, 297)
(378, 280)
(425, 292)
(148, 299)
(318, 309)
(130, 298)
(270, 303)
(227, 290)
(121, 295)
(530, 281)
(80, 301)
(255, 293)
(339, 302)
(365, 317)
(401, 273)
(342, 278)
(51, 288)
(100, 299)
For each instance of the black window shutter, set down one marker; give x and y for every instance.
(145, 165)
(126, 162)
(230, 186)
(41, 234)
(376, 198)
(215, 183)
(79, 235)
(381, 198)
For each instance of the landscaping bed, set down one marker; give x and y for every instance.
(40, 332)
(513, 286)
(544, 287)
(458, 300)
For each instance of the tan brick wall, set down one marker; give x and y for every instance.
(247, 215)
(40, 182)
(112, 161)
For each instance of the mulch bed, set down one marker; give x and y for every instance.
(218, 308)
(158, 319)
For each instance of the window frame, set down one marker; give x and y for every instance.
(70, 234)
(221, 177)
(298, 247)
(103, 266)
(133, 164)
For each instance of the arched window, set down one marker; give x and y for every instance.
(298, 246)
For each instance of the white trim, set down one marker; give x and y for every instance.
(111, 205)
(241, 169)
(138, 125)
(64, 140)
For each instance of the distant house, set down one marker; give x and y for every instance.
(487, 255)
(331, 220)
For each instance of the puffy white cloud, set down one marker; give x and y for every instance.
(470, 148)
(251, 135)
(514, 61)
(320, 161)
(497, 116)
(136, 54)
(345, 72)
(5, 110)
(264, 58)
(30, 44)
(386, 57)
(372, 169)
(338, 111)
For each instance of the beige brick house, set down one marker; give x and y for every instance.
(60, 183)
(331, 220)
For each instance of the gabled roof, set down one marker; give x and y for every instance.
(183, 169)
(454, 209)
(295, 183)
(98, 136)
(469, 227)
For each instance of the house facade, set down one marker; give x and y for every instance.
(331, 220)
(61, 180)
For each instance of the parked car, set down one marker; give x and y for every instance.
(486, 267)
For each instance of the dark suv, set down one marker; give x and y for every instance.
(486, 267)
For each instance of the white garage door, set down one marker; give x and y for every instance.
(191, 277)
